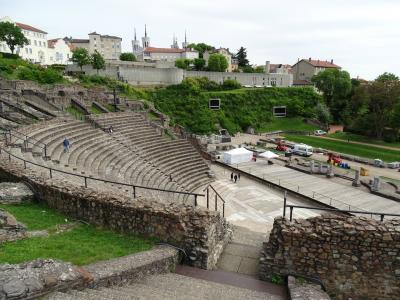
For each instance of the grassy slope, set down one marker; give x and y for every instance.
(344, 147)
(287, 124)
(239, 108)
(82, 245)
(360, 138)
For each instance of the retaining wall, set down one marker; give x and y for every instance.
(355, 257)
(202, 234)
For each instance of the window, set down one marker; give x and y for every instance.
(26, 50)
(35, 42)
(30, 50)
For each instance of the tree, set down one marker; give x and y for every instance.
(81, 57)
(323, 114)
(201, 48)
(217, 63)
(247, 69)
(127, 56)
(383, 96)
(183, 63)
(336, 88)
(199, 64)
(12, 35)
(97, 61)
(241, 56)
(387, 77)
(259, 69)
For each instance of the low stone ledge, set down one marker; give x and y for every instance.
(119, 271)
(299, 290)
(39, 277)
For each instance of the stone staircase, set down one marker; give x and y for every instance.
(168, 286)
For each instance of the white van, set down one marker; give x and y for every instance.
(302, 149)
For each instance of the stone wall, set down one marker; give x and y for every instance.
(354, 257)
(201, 233)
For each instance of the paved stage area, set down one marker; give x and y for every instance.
(339, 195)
(251, 204)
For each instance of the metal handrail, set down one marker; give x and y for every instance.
(26, 136)
(217, 198)
(134, 187)
(291, 207)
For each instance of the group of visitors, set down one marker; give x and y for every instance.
(235, 177)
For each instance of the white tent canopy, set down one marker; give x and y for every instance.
(269, 154)
(238, 155)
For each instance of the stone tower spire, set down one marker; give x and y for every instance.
(145, 39)
(185, 43)
(174, 42)
(136, 49)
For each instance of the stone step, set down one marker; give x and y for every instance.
(203, 289)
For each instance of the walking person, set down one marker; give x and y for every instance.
(235, 177)
(231, 176)
(239, 176)
(66, 144)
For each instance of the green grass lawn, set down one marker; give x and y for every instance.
(360, 138)
(287, 124)
(95, 110)
(347, 148)
(36, 216)
(83, 244)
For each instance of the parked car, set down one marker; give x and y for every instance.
(319, 132)
(302, 149)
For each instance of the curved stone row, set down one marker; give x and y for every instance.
(134, 154)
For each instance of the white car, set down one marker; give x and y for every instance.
(319, 132)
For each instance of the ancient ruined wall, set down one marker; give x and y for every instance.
(201, 233)
(355, 258)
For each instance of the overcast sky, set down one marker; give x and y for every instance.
(362, 36)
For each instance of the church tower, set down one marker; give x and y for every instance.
(185, 43)
(174, 42)
(145, 39)
(136, 49)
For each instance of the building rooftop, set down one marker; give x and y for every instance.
(320, 63)
(166, 50)
(29, 27)
(78, 41)
(105, 36)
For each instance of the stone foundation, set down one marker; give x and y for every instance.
(354, 257)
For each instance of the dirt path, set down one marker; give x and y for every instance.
(360, 143)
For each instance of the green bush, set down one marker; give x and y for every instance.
(9, 55)
(231, 84)
(39, 74)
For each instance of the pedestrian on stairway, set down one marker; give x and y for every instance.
(170, 177)
(66, 144)
(232, 176)
(235, 177)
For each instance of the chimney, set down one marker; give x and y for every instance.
(267, 66)
(309, 59)
(331, 61)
